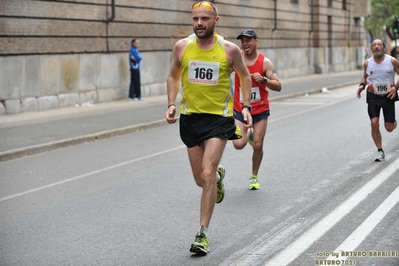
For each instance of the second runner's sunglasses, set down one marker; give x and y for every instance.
(204, 4)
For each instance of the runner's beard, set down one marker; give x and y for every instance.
(379, 53)
(248, 51)
(205, 35)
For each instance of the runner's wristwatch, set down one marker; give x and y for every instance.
(249, 107)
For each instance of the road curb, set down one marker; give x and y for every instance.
(34, 149)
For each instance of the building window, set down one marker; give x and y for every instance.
(344, 4)
(329, 3)
(294, 1)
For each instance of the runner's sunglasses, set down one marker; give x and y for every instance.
(204, 4)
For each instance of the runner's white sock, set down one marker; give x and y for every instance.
(203, 229)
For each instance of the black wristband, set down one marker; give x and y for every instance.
(397, 87)
(249, 107)
(171, 105)
(362, 84)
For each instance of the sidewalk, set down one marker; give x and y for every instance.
(34, 132)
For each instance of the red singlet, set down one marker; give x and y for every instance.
(259, 93)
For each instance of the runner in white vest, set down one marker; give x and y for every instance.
(379, 81)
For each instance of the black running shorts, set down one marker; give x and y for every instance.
(255, 118)
(375, 103)
(196, 128)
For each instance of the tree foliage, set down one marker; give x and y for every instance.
(382, 13)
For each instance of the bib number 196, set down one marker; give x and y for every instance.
(381, 88)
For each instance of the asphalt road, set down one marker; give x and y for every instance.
(131, 200)
(34, 132)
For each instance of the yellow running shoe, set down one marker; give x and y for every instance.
(237, 134)
(251, 137)
(219, 184)
(201, 244)
(253, 183)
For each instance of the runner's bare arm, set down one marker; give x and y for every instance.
(237, 62)
(396, 66)
(393, 91)
(363, 81)
(173, 81)
(395, 63)
(273, 81)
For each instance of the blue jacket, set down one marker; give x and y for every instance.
(134, 58)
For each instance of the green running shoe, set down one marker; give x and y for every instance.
(219, 185)
(251, 137)
(200, 245)
(253, 183)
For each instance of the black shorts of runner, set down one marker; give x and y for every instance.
(375, 103)
(255, 118)
(196, 128)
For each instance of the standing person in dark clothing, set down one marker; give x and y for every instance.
(134, 61)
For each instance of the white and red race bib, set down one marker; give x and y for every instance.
(381, 88)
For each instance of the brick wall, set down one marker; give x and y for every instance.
(58, 53)
(80, 26)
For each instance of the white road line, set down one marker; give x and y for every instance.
(295, 249)
(261, 249)
(139, 159)
(89, 174)
(310, 110)
(367, 226)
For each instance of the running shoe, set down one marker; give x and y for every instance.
(251, 137)
(237, 133)
(380, 157)
(253, 183)
(219, 184)
(201, 244)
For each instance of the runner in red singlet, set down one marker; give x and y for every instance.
(263, 78)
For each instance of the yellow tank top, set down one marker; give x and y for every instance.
(205, 79)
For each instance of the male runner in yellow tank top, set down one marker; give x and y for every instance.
(202, 64)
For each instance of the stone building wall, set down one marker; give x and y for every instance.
(61, 53)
